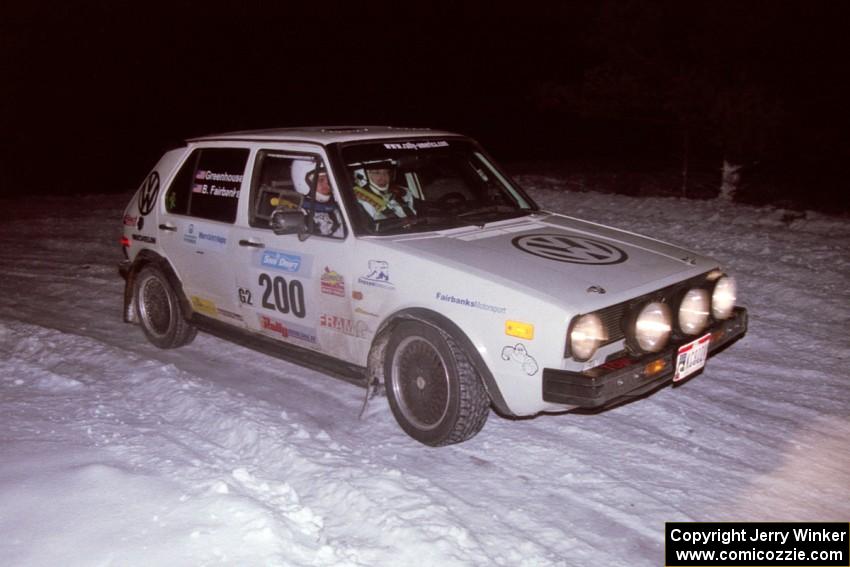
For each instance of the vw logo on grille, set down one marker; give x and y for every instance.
(147, 196)
(572, 249)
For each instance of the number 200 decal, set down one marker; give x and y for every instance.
(288, 296)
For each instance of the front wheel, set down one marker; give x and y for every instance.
(434, 391)
(160, 311)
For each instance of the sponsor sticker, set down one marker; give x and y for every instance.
(285, 262)
(344, 325)
(332, 283)
(211, 240)
(519, 355)
(378, 275)
(130, 220)
(287, 330)
(205, 236)
(190, 235)
(204, 306)
(144, 238)
(466, 302)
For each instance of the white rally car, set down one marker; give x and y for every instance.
(407, 259)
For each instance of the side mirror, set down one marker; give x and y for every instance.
(286, 221)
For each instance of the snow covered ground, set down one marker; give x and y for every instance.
(113, 452)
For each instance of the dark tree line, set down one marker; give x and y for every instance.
(758, 87)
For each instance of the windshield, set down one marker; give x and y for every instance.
(428, 185)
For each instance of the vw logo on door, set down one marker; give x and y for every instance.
(572, 249)
(147, 196)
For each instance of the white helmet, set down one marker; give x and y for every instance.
(303, 172)
(363, 178)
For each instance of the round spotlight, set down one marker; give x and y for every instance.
(693, 311)
(585, 337)
(723, 297)
(652, 327)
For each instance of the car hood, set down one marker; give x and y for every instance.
(570, 260)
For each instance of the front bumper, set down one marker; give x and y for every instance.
(628, 377)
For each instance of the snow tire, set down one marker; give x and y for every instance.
(160, 311)
(434, 391)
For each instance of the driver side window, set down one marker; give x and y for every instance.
(288, 181)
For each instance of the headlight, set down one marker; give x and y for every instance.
(693, 311)
(585, 336)
(652, 327)
(723, 297)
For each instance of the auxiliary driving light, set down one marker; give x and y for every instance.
(652, 327)
(693, 311)
(723, 297)
(585, 336)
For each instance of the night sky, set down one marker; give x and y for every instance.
(98, 92)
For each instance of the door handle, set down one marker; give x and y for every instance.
(168, 226)
(251, 243)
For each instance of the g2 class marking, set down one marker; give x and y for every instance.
(571, 249)
(288, 296)
(245, 296)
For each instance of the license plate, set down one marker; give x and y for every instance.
(691, 357)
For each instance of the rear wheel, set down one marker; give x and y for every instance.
(160, 311)
(434, 391)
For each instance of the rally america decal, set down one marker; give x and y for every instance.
(571, 249)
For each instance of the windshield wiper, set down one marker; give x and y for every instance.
(401, 222)
(437, 219)
(490, 209)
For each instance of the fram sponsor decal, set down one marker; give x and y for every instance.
(519, 354)
(378, 275)
(474, 303)
(332, 283)
(344, 325)
(283, 261)
(130, 220)
(287, 330)
(204, 306)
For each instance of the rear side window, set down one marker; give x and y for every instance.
(208, 184)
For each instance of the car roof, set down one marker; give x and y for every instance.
(325, 134)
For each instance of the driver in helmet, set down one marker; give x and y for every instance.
(377, 194)
(326, 218)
